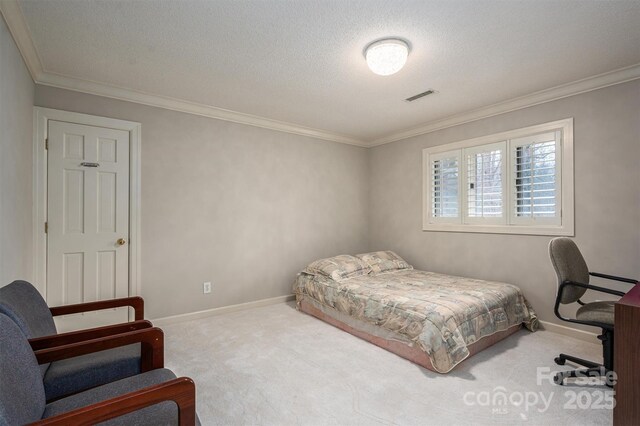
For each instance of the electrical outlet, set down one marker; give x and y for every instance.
(206, 287)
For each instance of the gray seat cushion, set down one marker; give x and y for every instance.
(597, 312)
(74, 375)
(165, 413)
(21, 391)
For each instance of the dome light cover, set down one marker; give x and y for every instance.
(388, 56)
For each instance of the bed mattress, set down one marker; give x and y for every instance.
(442, 315)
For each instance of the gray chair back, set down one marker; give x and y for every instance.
(569, 266)
(22, 398)
(23, 303)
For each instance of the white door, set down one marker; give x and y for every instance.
(87, 220)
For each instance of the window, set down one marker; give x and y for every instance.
(519, 181)
(485, 179)
(536, 177)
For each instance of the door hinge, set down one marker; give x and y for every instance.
(46, 227)
(46, 143)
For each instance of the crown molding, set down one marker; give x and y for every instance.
(584, 85)
(17, 25)
(18, 28)
(109, 91)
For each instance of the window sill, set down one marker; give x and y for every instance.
(566, 231)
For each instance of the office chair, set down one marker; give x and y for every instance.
(573, 283)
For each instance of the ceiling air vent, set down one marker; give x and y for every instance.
(420, 95)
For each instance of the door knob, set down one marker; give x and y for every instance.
(121, 241)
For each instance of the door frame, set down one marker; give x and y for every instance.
(41, 117)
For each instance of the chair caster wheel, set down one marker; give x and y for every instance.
(558, 379)
(559, 361)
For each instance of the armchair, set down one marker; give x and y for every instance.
(22, 303)
(153, 397)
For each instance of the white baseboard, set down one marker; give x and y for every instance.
(222, 310)
(571, 332)
(544, 325)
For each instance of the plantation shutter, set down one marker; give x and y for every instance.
(485, 183)
(536, 178)
(444, 172)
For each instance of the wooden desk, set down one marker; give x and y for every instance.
(626, 359)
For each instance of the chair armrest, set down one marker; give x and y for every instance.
(88, 334)
(614, 278)
(151, 348)
(181, 390)
(591, 287)
(136, 302)
(564, 284)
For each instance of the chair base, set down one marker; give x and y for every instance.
(593, 368)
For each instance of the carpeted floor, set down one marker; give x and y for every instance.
(277, 366)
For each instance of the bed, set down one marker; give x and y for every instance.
(433, 320)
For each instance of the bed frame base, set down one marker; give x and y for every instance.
(412, 353)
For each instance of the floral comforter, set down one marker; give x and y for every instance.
(440, 313)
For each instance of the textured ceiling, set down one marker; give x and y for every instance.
(301, 61)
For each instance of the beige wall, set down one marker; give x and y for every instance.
(16, 112)
(243, 207)
(607, 198)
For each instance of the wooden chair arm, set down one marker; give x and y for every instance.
(181, 390)
(88, 334)
(136, 302)
(151, 348)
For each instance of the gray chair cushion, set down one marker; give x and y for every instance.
(23, 303)
(569, 265)
(74, 375)
(597, 312)
(165, 413)
(21, 392)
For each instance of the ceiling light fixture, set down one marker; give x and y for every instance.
(388, 56)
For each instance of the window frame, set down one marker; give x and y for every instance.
(563, 224)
